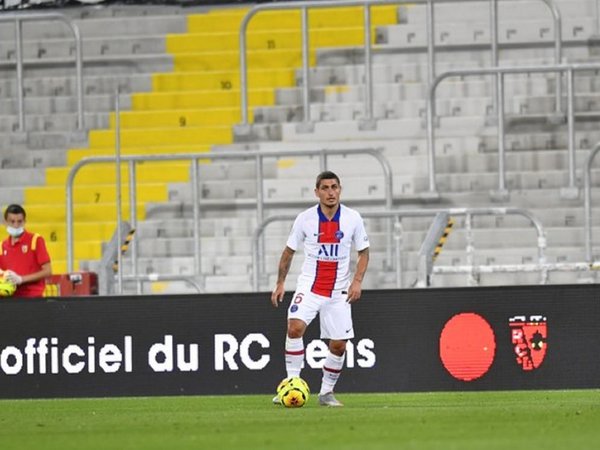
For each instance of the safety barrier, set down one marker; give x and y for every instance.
(398, 216)
(18, 19)
(571, 191)
(258, 156)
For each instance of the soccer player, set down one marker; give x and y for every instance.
(24, 259)
(327, 231)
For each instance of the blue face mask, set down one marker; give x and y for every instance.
(15, 232)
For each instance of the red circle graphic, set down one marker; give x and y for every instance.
(467, 346)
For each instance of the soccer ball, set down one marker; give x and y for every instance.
(293, 392)
(6, 288)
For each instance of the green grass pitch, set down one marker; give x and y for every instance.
(476, 420)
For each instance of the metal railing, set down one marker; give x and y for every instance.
(571, 191)
(18, 19)
(587, 180)
(399, 215)
(243, 127)
(544, 269)
(195, 158)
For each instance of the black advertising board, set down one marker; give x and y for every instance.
(531, 337)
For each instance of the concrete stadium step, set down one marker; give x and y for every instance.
(473, 181)
(396, 92)
(94, 193)
(413, 130)
(21, 177)
(93, 65)
(63, 104)
(218, 181)
(519, 31)
(184, 265)
(39, 140)
(468, 12)
(534, 198)
(55, 122)
(105, 45)
(584, 101)
(403, 185)
(381, 110)
(162, 136)
(84, 213)
(387, 129)
(11, 194)
(406, 71)
(244, 207)
(476, 53)
(219, 283)
(295, 169)
(97, 27)
(559, 217)
(105, 173)
(505, 239)
(469, 106)
(209, 227)
(161, 247)
(24, 159)
(222, 246)
(86, 12)
(216, 190)
(467, 145)
(508, 279)
(76, 154)
(563, 218)
(67, 85)
(516, 255)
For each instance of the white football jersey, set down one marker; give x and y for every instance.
(327, 247)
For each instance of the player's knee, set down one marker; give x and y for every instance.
(338, 348)
(295, 329)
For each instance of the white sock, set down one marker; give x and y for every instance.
(294, 356)
(331, 372)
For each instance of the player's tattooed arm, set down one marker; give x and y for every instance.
(362, 262)
(284, 267)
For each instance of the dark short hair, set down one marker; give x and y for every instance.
(327, 175)
(14, 209)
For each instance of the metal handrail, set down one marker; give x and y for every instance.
(571, 190)
(544, 268)
(259, 156)
(304, 5)
(541, 237)
(18, 18)
(587, 179)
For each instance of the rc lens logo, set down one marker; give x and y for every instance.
(529, 340)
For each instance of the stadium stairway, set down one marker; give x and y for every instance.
(466, 142)
(467, 163)
(466, 145)
(187, 109)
